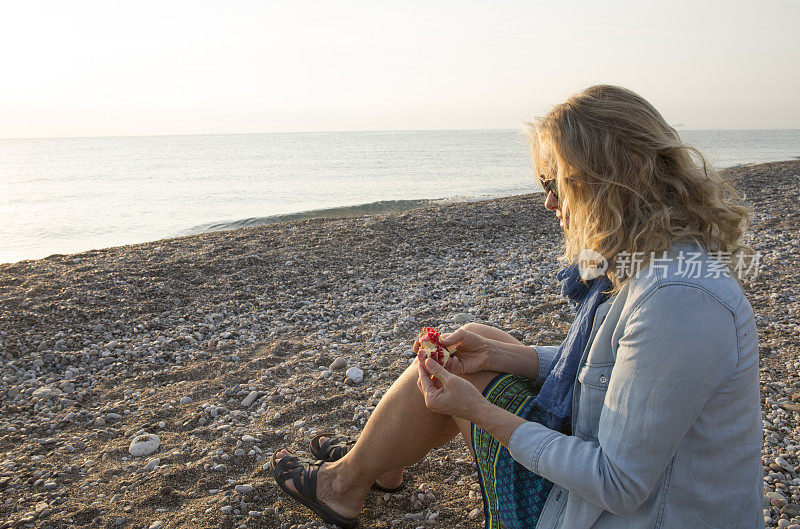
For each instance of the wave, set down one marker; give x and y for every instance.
(371, 208)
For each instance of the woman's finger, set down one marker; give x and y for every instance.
(449, 364)
(436, 369)
(421, 362)
(454, 365)
(425, 380)
(453, 338)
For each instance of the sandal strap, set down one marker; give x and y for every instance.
(335, 447)
(302, 473)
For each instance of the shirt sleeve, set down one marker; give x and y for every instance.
(677, 349)
(547, 354)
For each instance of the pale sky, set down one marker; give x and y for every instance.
(98, 68)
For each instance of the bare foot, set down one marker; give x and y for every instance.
(342, 501)
(389, 480)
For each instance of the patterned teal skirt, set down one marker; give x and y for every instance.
(513, 496)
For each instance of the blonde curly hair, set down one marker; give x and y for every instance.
(628, 183)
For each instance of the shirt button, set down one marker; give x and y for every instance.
(603, 379)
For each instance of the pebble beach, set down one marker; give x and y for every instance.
(147, 385)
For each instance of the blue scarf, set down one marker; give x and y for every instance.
(555, 397)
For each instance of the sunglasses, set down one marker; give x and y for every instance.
(549, 186)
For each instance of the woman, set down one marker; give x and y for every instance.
(648, 414)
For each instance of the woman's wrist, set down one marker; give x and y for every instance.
(499, 423)
(517, 359)
(479, 411)
(492, 354)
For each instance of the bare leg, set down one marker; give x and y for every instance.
(490, 332)
(386, 446)
(388, 428)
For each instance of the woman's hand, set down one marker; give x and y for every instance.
(474, 352)
(447, 393)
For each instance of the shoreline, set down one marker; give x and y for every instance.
(221, 344)
(373, 208)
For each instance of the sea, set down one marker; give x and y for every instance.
(68, 195)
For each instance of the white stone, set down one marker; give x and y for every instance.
(46, 392)
(153, 463)
(250, 399)
(463, 317)
(355, 374)
(144, 445)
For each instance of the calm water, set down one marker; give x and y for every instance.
(73, 194)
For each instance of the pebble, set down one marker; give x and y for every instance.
(775, 498)
(158, 524)
(250, 399)
(244, 489)
(153, 463)
(355, 374)
(45, 393)
(339, 363)
(463, 317)
(144, 445)
(186, 400)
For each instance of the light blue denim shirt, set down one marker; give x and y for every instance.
(666, 416)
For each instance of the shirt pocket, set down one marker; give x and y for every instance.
(593, 380)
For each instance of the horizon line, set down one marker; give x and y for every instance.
(679, 128)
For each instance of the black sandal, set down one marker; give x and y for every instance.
(334, 448)
(304, 477)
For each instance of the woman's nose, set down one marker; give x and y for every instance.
(550, 202)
